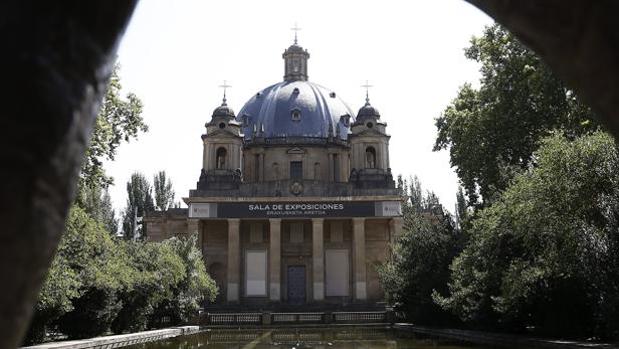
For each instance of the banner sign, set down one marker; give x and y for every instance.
(295, 209)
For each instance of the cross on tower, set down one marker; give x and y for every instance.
(296, 30)
(367, 91)
(225, 86)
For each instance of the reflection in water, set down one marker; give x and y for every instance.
(290, 338)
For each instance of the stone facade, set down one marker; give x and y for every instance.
(295, 203)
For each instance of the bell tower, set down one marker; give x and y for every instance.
(221, 156)
(369, 143)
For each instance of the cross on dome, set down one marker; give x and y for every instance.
(296, 30)
(367, 91)
(225, 87)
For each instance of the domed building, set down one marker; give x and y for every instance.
(295, 203)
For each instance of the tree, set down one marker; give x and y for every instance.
(79, 294)
(98, 283)
(139, 202)
(462, 210)
(164, 194)
(107, 216)
(420, 258)
(546, 253)
(97, 202)
(156, 271)
(491, 132)
(119, 120)
(195, 287)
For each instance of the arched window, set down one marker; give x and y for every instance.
(221, 158)
(370, 157)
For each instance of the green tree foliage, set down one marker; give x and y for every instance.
(98, 283)
(79, 292)
(100, 266)
(97, 203)
(156, 271)
(139, 202)
(462, 210)
(119, 120)
(546, 253)
(420, 258)
(60, 287)
(164, 193)
(195, 286)
(492, 131)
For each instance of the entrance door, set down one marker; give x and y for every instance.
(296, 284)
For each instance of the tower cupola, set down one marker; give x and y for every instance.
(295, 61)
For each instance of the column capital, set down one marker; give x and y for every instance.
(396, 221)
(234, 221)
(318, 220)
(358, 220)
(275, 220)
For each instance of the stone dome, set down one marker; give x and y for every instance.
(296, 109)
(367, 111)
(223, 110)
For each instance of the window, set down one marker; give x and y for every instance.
(256, 273)
(296, 233)
(221, 158)
(296, 170)
(295, 114)
(370, 157)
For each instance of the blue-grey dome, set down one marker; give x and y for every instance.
(295, 109)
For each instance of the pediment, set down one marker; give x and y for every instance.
(295, 150)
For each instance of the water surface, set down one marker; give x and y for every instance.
(290, 338)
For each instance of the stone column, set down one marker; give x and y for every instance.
(275, 252)
(359, 258)
(234, 260)
(395, 228)
(318, 259)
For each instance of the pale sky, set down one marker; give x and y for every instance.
(176, 53)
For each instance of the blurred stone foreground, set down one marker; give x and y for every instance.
(57, 57)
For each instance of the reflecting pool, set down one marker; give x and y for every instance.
(295, 338)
